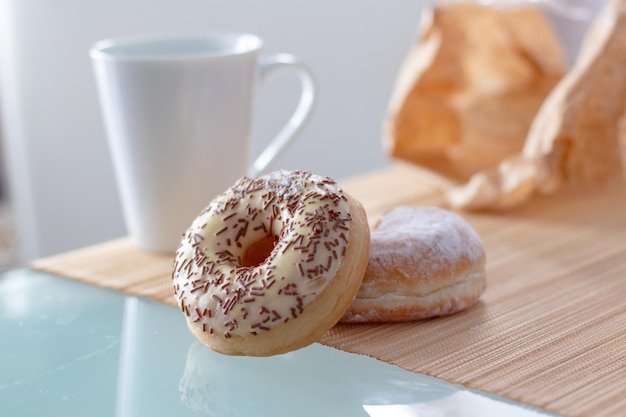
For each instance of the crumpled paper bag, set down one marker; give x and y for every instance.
(545, 129)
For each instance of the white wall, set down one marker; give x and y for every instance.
(60, 173)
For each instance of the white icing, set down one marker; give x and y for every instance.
(309, 216)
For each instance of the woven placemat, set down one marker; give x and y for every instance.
(550, 331)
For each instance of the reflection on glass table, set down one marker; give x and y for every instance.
(71, 349)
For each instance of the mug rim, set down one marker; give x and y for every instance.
(104, 48)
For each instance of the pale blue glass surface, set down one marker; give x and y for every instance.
(71, 349)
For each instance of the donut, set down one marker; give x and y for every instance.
(424, 262)
(271, 264)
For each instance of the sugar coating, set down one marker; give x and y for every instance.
(428, 239)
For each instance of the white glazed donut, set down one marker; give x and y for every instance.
(271, 264)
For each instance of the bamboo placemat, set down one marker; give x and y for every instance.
(550, 331)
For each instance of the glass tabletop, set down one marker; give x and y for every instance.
(72, 349)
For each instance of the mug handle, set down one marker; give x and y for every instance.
(299, 117)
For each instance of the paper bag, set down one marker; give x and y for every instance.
(551, 131)
(471, 87)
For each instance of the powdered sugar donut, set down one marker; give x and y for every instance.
(424, 262)
(271, 264)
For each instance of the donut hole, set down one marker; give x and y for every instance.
(258, 251)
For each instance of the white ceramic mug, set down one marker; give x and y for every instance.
(178, 113)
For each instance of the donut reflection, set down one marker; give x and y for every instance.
(315, 381)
